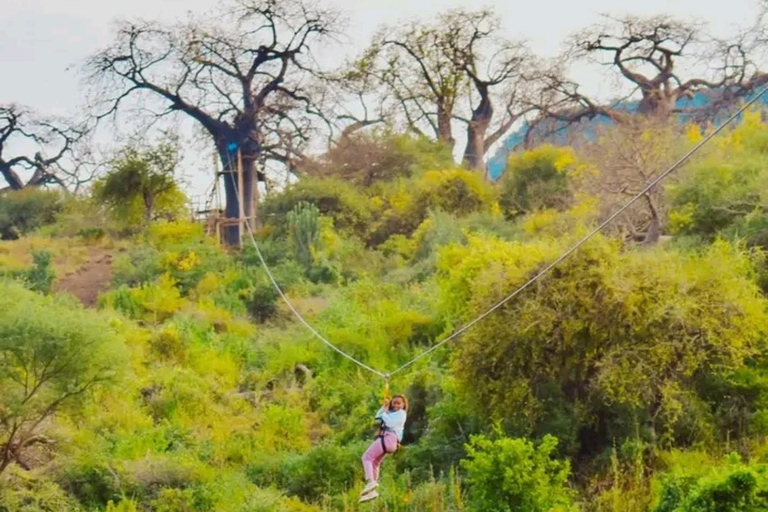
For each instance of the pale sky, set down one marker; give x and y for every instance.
(43, 41)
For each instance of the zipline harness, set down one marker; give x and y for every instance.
(387, 375)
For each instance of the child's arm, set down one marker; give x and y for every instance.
(382, 410)
(392, 419)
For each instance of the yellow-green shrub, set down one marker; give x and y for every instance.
(174, 233)
(283, 429)
(155, 302)
(536, 179)
(25, 210)
(337, 199)
(623, 335)
(726, 188)
(22, 491)
(456, 191)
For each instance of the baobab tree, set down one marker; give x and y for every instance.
(415, 77)
(744, 54)
(501, 73)
(648, 52)
(457, 68)
(244, 74)
(35, 145)
(661, 58)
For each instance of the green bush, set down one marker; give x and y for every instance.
(420, 250)
(513, 475)
(444, 495)
(456, 191)
(346, 205)
(734, 487)
(93, 483)
(727, 187)
(446, 427)
(626, 337)
(53, 355)
(121, 299)
(408, 202)
(140, 265)
(257, 291)
(23, 492)
(126, 505)
(305, 234)
(274, 249)
(25, 210)
(626, 486)
(262, 299)
(153, 302)
(92, 234)
(40, 276)
(535, 180)
(324, 272)
(185, 264)
(368, 158)
(269, 500)
(325, 470)
(181, 500)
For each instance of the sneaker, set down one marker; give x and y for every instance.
(368, 497)
(369, 487)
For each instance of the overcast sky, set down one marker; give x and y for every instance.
(43, 41)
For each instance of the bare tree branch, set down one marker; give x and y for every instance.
(653, 54)
(23, 130)
(457, 67)
(244, 74)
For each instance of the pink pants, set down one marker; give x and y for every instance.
(375, 454)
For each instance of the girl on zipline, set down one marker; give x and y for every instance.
(391, 418)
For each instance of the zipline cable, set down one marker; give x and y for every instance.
(521, 288)
(285, 299)
(587, 237)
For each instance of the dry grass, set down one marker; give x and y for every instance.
(69, 254)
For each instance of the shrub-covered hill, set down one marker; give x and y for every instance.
(632, 378)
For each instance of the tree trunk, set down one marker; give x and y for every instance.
(476, 130)
(654, 229)
(149, 203)
(250, 192)
(473, 153)
(657, 102)
(6, 461)
(11, 177)
(39, 178)
(5, 450)
(232, 207)
(444, 131)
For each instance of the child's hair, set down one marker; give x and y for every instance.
(405, 401)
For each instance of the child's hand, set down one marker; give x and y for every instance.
(386, 404)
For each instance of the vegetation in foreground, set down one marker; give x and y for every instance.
(631, 378)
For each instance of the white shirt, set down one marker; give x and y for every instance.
(392, 421)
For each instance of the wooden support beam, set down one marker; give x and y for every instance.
(240, 198)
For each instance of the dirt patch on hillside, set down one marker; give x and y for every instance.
(88, 281)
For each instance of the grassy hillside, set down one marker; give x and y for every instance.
(632, 378)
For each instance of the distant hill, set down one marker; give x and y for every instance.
(563, 134)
